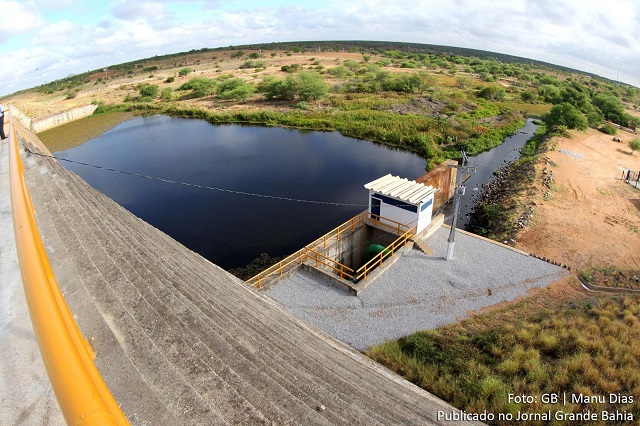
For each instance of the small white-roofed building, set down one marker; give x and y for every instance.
(401, 200)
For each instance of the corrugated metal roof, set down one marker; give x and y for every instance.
(408, 191)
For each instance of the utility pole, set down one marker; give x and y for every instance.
(456, 204)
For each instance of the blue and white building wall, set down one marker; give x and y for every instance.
(402, 201)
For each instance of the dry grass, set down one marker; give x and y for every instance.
(561, 340)
(531, 109)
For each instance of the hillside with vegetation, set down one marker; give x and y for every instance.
(434, 103)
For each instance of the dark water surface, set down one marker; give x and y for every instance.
(486, 164)
(231, 229)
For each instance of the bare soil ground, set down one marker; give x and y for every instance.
(114, 89)
(589, 217)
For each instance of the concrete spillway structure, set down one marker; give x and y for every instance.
(180, 341)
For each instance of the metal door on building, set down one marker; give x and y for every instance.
(375, 208)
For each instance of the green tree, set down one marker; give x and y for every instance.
(612, 108)
(200, 86)
(226, 84)
(634, 145)
(239, 93)
(148, 90)
(184, 71)
(278, 88)
(565, 114)
(549, 93)
(311, 86)
(492, 93)
(577, 96)
(528, 96)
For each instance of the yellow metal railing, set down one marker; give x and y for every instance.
(311, 251)
(342, 270)
(83, 396)
(301, 255)
(397, 227)
(361, 273)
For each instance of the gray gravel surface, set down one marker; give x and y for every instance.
(418, 292)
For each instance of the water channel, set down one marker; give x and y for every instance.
(486, 164)
(230, 228)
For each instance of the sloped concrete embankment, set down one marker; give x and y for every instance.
(41, 124)
(180, 341)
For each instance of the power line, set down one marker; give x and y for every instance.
(196, 185)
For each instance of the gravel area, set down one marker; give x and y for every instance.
(571, 153)
(418, 292)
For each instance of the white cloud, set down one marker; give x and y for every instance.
(127, 10)
(593, 35)
(18, 18)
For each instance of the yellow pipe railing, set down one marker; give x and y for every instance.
(310, 251)
(321, 259)
(377, 260)
(83, 396)
(301, 255)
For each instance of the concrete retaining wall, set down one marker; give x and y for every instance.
(46, 123)
(41, 124)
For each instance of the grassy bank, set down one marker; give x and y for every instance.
(578, 344)
(432, 139)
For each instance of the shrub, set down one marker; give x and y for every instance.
(170, 80)
(72, 94)
(184, 71)
(492, 93)
(238, 93)
(235, 88)
(166, 95)
(277, 88)
(148, 90)
(200, 86)
(634, 145)
(247, 65)
(609, 129)
(311, 86)
(528, 96)
(291, 68)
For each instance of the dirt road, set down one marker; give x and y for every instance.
(589, 217)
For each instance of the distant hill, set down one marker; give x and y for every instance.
(382, 46)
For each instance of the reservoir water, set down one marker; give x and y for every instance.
(228, 228)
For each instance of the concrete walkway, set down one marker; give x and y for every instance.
(418, 292)
(26, 397)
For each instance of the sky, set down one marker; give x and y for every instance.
(44, 40)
